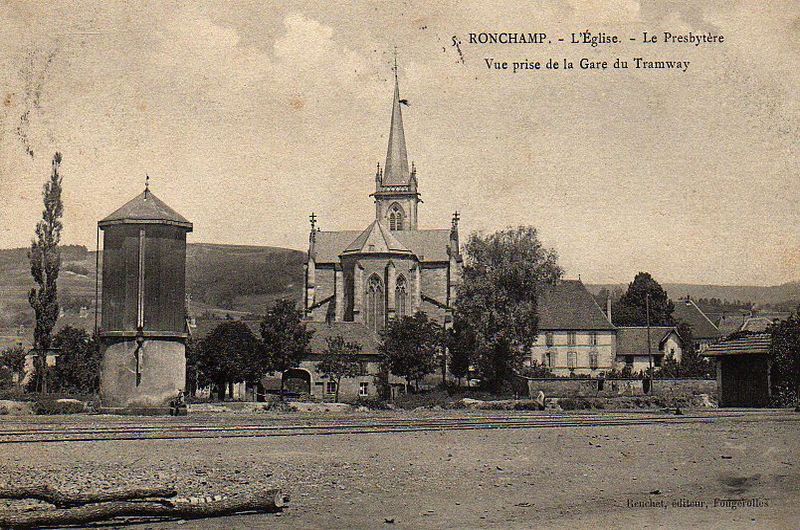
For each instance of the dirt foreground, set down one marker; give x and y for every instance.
(730, 473)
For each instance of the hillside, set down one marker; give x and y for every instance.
(245, 279)
(784, 294)
(220, 278)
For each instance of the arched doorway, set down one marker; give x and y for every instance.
(375, 304)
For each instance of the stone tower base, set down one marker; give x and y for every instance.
(161, 369)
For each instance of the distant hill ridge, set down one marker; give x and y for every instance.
(760, 295)
(247, 278)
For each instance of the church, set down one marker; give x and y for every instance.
(391, 268)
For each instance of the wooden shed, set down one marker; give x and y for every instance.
(743, 370)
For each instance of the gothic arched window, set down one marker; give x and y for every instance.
(401, 296)
(374, 296)
(396, 216)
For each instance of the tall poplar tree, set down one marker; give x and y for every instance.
(45, 259)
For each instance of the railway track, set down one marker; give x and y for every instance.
(114, 429)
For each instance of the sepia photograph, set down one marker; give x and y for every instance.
(413, 264)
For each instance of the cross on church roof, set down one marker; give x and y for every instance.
(456, 217)
(313, 219)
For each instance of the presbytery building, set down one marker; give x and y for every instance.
(391, 268)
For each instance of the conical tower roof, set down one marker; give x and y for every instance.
(146, 208)
(376, 239)
(395, 172)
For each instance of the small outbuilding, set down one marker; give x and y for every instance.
(633, 351)
(743, 370)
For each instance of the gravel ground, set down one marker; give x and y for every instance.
(555, 477)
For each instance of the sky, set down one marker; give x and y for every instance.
(248, 116)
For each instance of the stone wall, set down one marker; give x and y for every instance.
(619, 387)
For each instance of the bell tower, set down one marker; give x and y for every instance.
(396, 195)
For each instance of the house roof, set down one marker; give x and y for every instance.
(756, 324)
(396, 172)
(633, 340)
(749, 344)
(376, 239)
(146, 208)
(730, 323)
(426, 245)
(568, 305)
(686, 311)
(350, 331)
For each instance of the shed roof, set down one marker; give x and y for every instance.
(146, 208)
(633, 340)
(749, 344)
(568, 305)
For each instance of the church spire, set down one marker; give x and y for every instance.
(395, 172)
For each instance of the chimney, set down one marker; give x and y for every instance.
(608, 308)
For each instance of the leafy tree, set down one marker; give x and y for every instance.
(632, 307)
(77, 368)
(284, 338)
(339, 359)
(537, 370)
(785, 358)
(192, 375)
(461, 346)
(411, 345)
(692, 364)
(14, 360)
(497, 298)
(670, 368)
(45, 260)
(227, 355)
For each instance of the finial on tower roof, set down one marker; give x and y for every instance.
(146, 184)
(395, 62)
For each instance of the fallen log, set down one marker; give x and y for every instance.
(270, 501)
(60, 499)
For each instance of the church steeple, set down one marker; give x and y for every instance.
(395, 171)
(396, 195)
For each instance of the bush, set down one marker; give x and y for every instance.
(371, 403)
(526, 404)
(275, 404)
(51, 406)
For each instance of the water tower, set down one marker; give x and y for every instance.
(143, 327)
